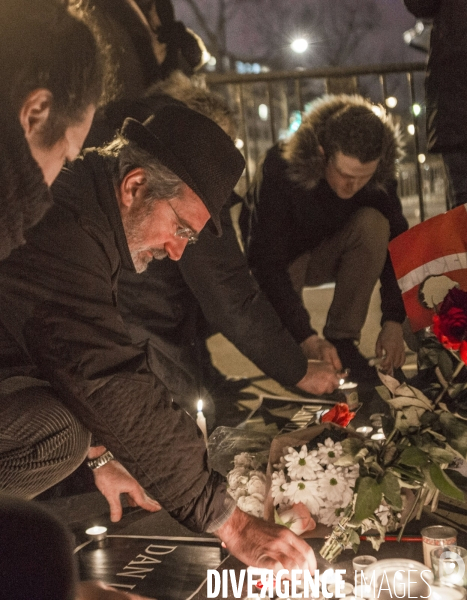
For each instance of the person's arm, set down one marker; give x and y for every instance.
(266, 545)
(390, 343)
(216, 271)
(112, 480)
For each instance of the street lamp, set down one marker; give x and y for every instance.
(299, 45)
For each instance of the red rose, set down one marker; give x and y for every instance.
(339, 414)
(450, 322)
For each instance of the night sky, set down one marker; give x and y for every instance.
(245, 40)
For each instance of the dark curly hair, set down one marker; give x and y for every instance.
(354, 130)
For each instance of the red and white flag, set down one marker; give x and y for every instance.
(428, 260)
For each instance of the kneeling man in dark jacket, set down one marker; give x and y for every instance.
(69, 367)
(323, 209)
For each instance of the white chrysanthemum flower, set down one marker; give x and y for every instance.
(334, 486)
(328, 516)
(279, 486)
(237, 492)
(245, 459)
(257, 484)
(237, 477)
(302, 464)
(305, 492)
(251, 505)
(329, 452)
(280, 466)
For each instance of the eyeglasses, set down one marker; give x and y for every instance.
(184, 231)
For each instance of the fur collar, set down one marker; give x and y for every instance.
(301, 150)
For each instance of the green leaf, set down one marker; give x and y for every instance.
(413, 457)
(369, 496)
(445, 365)
(400, 402)
(456, 432)
(352, 445)
(354, 540)
(441, 455)
(391, 489)
(444, 484)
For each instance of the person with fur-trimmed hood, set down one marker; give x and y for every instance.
(323, 208)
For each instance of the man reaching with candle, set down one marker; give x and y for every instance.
(146, 195)
(323, 209)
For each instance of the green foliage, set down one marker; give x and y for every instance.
(369, 496)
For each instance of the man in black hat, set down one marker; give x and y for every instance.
(63, 342)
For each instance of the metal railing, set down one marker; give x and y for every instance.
(267, 102)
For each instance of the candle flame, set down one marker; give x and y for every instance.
(96, 530)
(200, 405)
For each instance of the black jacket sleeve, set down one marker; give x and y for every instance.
(392, 305)
(423, 9)
(270, 241)
(217, 273)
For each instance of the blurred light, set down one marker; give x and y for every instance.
(239, 143)
(207, 58)
(421, 158)
(263, 112)
(200, 405)
(391, 102)
(416, 109)
(299, 45)
(295, 120)
(411, 129)
(212, 61)
(377, 110)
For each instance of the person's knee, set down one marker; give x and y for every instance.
(371, 226)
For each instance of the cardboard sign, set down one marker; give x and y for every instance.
(157, 567)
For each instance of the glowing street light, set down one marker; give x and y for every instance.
(411, 129)
(391, 102)
(299, 45)
(416, 109)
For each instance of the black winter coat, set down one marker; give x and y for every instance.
(446, 80)
(58, 304)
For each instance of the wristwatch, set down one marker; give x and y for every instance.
(100, 461)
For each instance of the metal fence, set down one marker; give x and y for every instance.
(269, 105)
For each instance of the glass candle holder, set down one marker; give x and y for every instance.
(398, 578)
(434, 537)
(449, 564)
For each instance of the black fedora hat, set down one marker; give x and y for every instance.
(193, 147)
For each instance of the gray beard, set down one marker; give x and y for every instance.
(141, 263)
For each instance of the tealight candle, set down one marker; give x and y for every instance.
(378, 437)
(201, 421)
(362, 591)
(364, 430)
(98, 535)
(349, 388)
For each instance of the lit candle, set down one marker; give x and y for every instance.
(364, 430)
(201, 421)
(98, 535)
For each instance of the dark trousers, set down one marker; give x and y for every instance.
(353, 258)
(41, 442)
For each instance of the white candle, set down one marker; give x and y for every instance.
(201, 421)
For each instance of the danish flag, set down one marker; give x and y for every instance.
(428, 260)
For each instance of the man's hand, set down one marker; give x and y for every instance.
(317, 348)
(320, 378)
(258, 543)
(96, 590)
(390, 346)
(112, 480)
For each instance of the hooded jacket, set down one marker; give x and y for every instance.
(446, 81)
(58, 304)
(290, 209)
